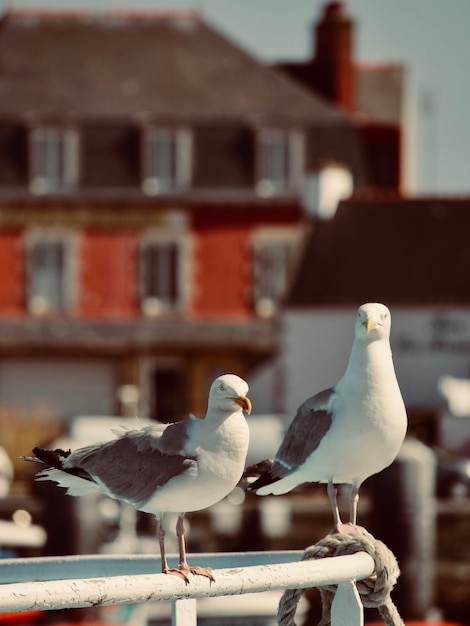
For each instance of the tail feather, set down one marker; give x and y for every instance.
(258, 469)
(270, 477)
(54, 459)
(75, 485)
(262, 474)
(275, 486)
(51, 457)
(264, 480)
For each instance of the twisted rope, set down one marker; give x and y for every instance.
(374, 591)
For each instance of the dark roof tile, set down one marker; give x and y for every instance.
(408, 252)
(172, 66)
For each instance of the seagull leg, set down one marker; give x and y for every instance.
(183, 566)
(353, 500)
(351, 527)
(161, 541)
(339, 527)
(332, 493)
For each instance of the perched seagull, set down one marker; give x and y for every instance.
(178, 467)
(349, 432)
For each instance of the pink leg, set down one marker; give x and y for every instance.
(183, 566)
(161, 541)
(353, 500)
(339, 527)
(332, 493)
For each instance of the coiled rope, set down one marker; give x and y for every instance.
(374, 591)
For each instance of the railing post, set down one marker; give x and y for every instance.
(346, 608)
(184, 612)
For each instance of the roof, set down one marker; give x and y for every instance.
(145, 65)
(403, 252)
(379, 88)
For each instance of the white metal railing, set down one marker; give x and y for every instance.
(85, 581)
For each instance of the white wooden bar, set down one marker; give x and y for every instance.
(52, 593)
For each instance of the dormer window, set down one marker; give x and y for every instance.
(166, 160)
(280, 162)
(54, 160)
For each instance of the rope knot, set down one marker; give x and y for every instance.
(374, 591)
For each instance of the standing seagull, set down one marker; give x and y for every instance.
(178, 467)
(351, 431)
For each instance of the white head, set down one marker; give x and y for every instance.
(228, 393)
(373, 321)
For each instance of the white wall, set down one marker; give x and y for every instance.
(267, 388)
(315, 350)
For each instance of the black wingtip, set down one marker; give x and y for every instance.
(262, 472)
(258, 468)
(53, 458)
(263, 480)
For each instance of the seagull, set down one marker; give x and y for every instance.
(177, 467)
(347, 433)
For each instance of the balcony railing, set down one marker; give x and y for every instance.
(50, 583)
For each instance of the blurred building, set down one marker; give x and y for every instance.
(374, 94)
(155, 182)
(411, 254)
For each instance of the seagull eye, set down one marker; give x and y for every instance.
(384, 316)
(222, 387)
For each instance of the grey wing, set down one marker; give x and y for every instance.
(311, 422)
(136, 464)
(168, 438)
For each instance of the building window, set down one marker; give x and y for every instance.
(48, 273)
(280, 162)
(166, 160)
(160, 276)
(54, 160)
(272, 261)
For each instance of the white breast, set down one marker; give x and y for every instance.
(368, 428)
(220, 450)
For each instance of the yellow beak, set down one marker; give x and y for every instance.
(370, 324)
(244, 402)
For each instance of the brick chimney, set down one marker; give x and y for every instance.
(333, 56)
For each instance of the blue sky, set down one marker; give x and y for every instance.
(430, 37)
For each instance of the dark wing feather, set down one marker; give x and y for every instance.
(132, 467)
(310, 424)
(168, 438)
(55, 458)
(173, 438)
